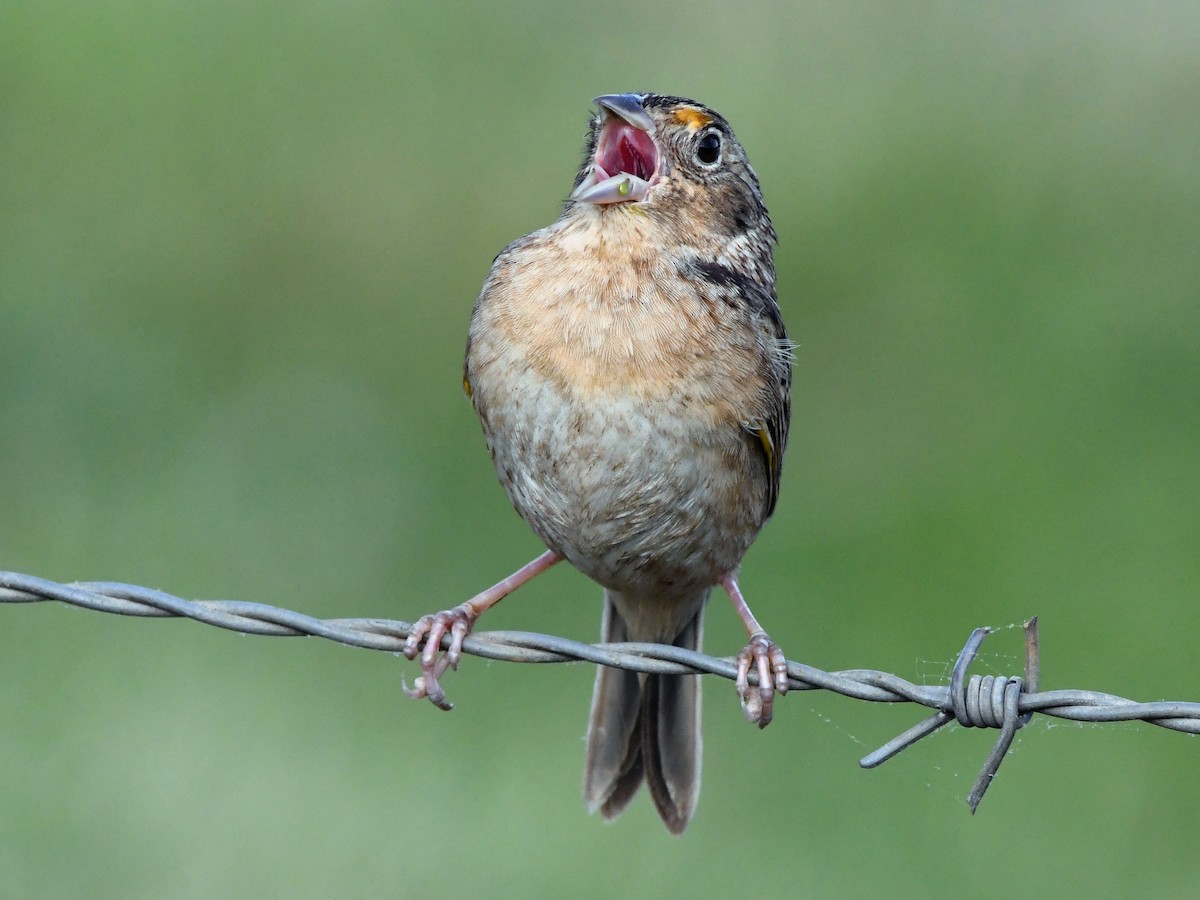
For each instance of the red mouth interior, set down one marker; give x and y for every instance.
(624, 148)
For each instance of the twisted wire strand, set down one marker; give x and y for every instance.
(1005, 703)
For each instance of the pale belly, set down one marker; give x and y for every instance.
(640, 495)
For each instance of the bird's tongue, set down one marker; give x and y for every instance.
(630, 150)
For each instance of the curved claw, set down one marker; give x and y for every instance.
(431, 630)
(428, 686)
(769, 664)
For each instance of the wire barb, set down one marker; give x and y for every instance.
(989, 701)
(983, 701)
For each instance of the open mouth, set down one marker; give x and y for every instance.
(626, 150)
(625, 165)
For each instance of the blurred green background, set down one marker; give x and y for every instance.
(239, 244)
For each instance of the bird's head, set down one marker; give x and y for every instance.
(671, 158)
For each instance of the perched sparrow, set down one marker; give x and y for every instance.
(631, 372)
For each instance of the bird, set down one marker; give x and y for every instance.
(632, 374)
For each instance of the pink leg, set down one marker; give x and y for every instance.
(763, 654)
(458, 623)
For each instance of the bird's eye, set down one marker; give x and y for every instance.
(708, 150)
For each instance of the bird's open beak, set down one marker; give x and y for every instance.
(626, 161)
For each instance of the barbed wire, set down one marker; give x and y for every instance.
(989, 701)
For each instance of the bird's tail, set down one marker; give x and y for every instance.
(645, 727)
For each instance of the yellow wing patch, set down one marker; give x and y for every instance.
(768, 446)
(692, 118)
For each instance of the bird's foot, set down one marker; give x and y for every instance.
(457, 623)
(766, 659)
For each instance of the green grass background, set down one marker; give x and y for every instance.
(239, 244)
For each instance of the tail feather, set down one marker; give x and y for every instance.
(645, 727)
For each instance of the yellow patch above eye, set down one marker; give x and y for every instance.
(692, 118)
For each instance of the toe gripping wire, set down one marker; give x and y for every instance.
(980, 701)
